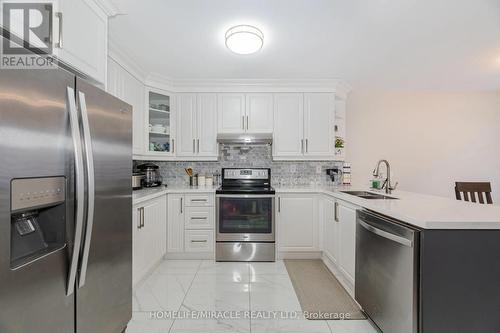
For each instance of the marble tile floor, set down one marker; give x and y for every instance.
(243, 298)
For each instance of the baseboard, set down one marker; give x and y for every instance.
(299, 255)
(190, 256)
(332, 266)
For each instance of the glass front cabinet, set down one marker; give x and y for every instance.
(160, 123)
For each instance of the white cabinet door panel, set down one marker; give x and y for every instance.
(259, 113)
(207, 125)
(175, 229)
(199, 218)
(347, 240)
(199, 241)
(298, 223)
(155, 227)
(231, 113)
(186, 124)
(319, 124)
(84, 37)
(288, 125)
(330, 234)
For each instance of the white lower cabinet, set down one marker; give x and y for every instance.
(199, 241)
(330, 230)
(190, 231)
(346, 215)
(339, 239)
(297, 220)
(175, 225)
(149, 241)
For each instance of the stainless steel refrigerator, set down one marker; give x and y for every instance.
(65, 205)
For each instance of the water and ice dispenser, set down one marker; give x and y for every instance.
(38, 218)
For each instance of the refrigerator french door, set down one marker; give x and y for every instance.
(65, 205)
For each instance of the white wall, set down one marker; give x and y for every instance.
(431, 139)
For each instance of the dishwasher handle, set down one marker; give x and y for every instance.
(385, 234)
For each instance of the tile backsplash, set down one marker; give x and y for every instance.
(282, 173)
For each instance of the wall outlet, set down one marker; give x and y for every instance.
(293, 168)
(318, 168)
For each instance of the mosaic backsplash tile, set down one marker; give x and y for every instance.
(282, 173)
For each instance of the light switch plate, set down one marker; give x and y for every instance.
(318, 168)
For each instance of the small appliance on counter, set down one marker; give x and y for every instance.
(137, 180)
(151, 172)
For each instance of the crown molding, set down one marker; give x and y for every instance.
(337, 86)
(160, 81)
(125, 61)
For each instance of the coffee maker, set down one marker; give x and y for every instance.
(152, 177)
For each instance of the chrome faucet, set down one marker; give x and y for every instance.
(387, 183)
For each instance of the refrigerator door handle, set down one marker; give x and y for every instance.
(90, 187)
(79, 191)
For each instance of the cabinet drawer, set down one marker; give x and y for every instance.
(199, 200)
(199, 241)
(199, 218)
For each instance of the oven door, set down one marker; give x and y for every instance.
(245, 218)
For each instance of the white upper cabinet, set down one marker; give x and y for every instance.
(186, 124)
(259, 113)
(81, 36)
(231, 113)
(197, 125)
(160, 123)
(245, 113)
(319, 125)
(288, 140)
(207, 125)
(304, 126)
(128, 88)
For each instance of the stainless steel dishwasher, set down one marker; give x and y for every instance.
(387, 272)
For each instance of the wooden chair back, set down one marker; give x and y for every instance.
(469, 190)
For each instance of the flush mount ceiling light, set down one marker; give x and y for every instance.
(244, 39)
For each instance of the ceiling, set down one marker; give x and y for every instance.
(390, 44)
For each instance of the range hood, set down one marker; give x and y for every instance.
(245, 138)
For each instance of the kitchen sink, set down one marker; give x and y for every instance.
(368, 195)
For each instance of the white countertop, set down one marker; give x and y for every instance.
(423, 211)
(146, 194)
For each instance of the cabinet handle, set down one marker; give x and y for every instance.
(198, 146)
(247, 123)
(194, 143)
(173, 146)
(243, 122)
(307, 145)
(199, 241)
(336, 212)
(199, 200)
(139, 220)
(59, 43)
(279, 204)
(181, 205)
(302, 146)
(198, 218)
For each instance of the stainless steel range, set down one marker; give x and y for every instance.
(245, 216)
